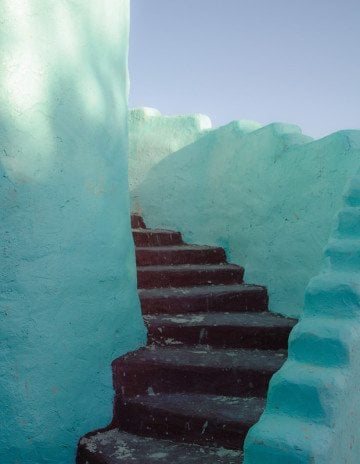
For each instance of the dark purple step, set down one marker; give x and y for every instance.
(204, 298)
(137, 222)
(193, 418)
(183, 254)
(223, 330)
(156, 237)
(116, 447)
(196, 370)
(186, 275)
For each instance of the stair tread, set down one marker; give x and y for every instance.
(154, 231)
(201, 290)
(149, 254)
(224, 319)
(115, 446)
(183, 275)
(188, 267)
(184, 247)
(224, 409)
(204, 357)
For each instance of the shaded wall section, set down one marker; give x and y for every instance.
(268, 195)
(68, 295)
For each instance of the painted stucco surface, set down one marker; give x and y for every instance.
(268, 195)
(152, 137)
(69, 304)
(313, 410)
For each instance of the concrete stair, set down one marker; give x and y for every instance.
(187, 275)
(115, 446)
(179, 254)
(204, 298)
(194, 369)
(197, 418)
(192, 394)
(222, 330)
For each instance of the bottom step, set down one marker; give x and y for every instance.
(115, 447)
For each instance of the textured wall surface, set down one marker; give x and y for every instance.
(313, 407)
(67, 277)
(268, 195)
(152, 137)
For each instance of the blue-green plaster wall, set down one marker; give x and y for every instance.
(266, 194)
(152, 137)
(313, 409)
(68, 300)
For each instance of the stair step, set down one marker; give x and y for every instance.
(204, 298)
(156, 237)
(183, 254)
(196, 369)
(222, 330)
(117, 447)
(202, 419)
(189, 274)
(137, 222)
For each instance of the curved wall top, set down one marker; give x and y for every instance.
(266, 194)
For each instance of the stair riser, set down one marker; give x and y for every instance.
(264, 338)
(255, 301)
(152, 279)
(169, 257)
(137, 222)
(138, 380)
(156, 239)
(138, 419)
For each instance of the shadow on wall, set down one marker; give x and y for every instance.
(68, 277)
(268, 195)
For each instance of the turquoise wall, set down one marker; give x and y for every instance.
(152, 137)
(68, 295)
(313, 409)
(266, 194)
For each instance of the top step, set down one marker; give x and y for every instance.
(156, 237)
(137, 222)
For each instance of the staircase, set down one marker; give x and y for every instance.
(192, 394)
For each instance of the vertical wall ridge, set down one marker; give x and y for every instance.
(312, 408)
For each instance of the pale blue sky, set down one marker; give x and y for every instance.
(295, 61)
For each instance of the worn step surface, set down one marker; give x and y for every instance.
(223, 330)
(181, 254)
(195, 418)
(196, 369)
(156, 237)
(204, 298)
(186, 275)
(117, 447)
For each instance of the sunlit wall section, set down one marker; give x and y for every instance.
(153, 136)
(67, 277)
